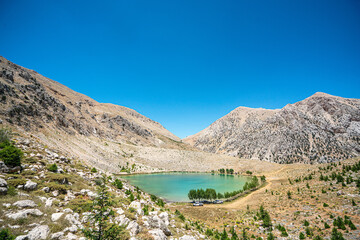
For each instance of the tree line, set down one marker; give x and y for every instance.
(211, 194)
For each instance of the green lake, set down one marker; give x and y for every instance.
(175, 186)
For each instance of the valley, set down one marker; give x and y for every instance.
(71, 145)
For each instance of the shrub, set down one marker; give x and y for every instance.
(11, 191)
(131, 197)
(160, 203)
(80, 205)
(53, 168)
(5, 234)
(16, 182)
(117, 183)
(11, 155)
(93, 170)
(301, 235)
(56, 186)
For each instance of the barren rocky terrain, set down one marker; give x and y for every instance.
(322, 128)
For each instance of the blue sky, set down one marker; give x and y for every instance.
(187, 63)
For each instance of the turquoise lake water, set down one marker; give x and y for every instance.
(175, 186)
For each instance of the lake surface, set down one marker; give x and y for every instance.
(176, 186)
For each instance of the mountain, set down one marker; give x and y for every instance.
(107, 136)
(321, 128)
(33, 101)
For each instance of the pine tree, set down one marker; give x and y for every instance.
(99, 226)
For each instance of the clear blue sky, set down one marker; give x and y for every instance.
(187, 63)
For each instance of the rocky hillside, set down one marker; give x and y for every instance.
(104, 135)
(46, 202)
(35, 102)
(321, 128)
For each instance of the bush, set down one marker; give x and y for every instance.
(6, 235)
(117, 183)
(11, 155)
(93, 170)
(80, 205)
(53, 168)
(16, 182)
(12, 192)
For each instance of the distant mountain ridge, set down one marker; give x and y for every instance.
(321, 128)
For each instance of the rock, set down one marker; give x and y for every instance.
(57, 236)
(3, 190)
(158, 234)
(24, 214)
(156, 222)
(71, 236)
(7, 205)
(46, 189)
(165, 217)
(22, 237)
(122, 220)
(49, 202)
(3, 167)
(3, 183)
(25, 204)
(74, 220)
(119, 211)
(187, 237)
(26, 142)
(3, 187)
(56, 216)
(55, 193)
(30, 185)
(136, 205)
(133, 228)
(40, 232)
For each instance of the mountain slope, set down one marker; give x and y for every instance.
(320, 128)
(34, 101)
(107, 136)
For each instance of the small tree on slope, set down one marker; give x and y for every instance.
(99, 225)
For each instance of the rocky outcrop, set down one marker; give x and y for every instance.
(321, 128)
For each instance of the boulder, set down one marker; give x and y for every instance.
(25, 204)
(3, 183)
(56, 216)
(3, 186)
(49, 202)
(165, 217)
(158, 234)
(157, 223)
(133, 228)
(136, 205)
(30, 185)
(24, 214)
(187, 237)
(57, 236)
(40, 232)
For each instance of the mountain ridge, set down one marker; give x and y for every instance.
(269, 135)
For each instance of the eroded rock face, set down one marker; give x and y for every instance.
(321, 128)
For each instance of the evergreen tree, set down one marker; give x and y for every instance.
(100, 226)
